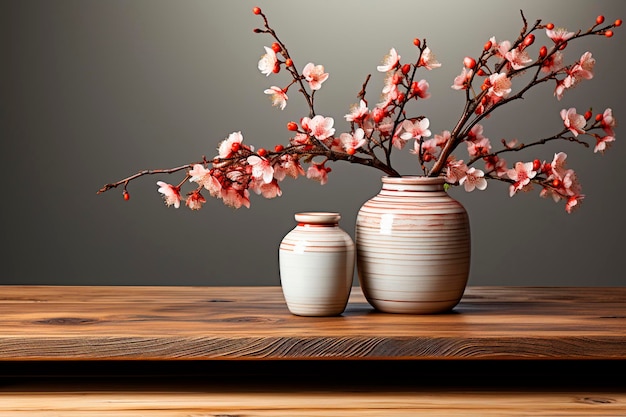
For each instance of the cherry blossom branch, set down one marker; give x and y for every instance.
(464, 125)
(142, 173)
(375, 133)
(522, 146)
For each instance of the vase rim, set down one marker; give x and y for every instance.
(318, 217)
(413, 179)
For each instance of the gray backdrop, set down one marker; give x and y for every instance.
(92, 91)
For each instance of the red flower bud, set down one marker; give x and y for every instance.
(276, 47)
(406, 68)
(126, 195)
(293, 126)
(416, 42)
(488, 45)
(529, 39)
(608, 33)
(536, 165)
(588, 115)
(288, 62)
(279, 148)
(350, 151)
(261, 152)
(256, 10)
(550, 26)
(543, 52)
(599, 20)
(618, 22)
(276, 69)
(599, 117)
(469, 62)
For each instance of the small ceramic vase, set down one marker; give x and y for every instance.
(317, 261)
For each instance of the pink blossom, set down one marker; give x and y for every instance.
(321, 127)
(352, 141)
(476, 133)
(390, 90)
(569, 184)
(390, 61)
(442, 139)
(518, 58)
(608, 122)
(397, 141)
(557, 165)
(385, 126)
(461, 81)
(288, 165)
(267, 190)
(510, 144)
(428, 60)
(603, 143)
(268, 61)
(335, 145)
(195, 200)
(225, 148)
(171, 194)
(314, 75)
(420, 89)
(279, 97)
(521, 174)
(199, 174)
(261, 168)
(427, 148)
(500, 48)
(561, 85)
(496, 164)
(500, 84)
(479, 147)
(357, 112)
(455, 170)
(553, 63)
(318, 172)
(416, 129)
(583, 68)
(300, 139)
(573, 203)
(559, 34)
(474, 178)
(236, 198)
(573, 121)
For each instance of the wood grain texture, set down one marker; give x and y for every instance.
(191, 323)
(207, 401)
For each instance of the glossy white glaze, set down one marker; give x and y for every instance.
(316, 261)
(413, 247)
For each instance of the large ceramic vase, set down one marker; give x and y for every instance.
(413, 247)
(316, 265)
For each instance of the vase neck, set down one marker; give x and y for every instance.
(413, 183)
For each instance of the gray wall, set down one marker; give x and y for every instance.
(92, 91)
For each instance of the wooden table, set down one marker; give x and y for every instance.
(237, 351)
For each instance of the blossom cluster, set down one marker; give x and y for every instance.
(488, 81)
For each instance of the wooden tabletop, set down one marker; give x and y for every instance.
(48, 323)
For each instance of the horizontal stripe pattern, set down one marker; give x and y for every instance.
(413, 247)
